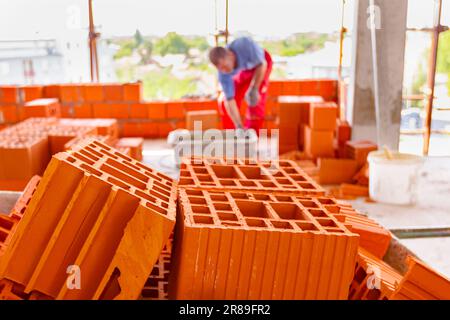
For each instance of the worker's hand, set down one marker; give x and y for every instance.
(252, 97)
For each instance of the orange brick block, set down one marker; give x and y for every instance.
(113, 92)
(323, 116)
(135, 145)
(83, 110)
(97, 209)
(102, 110)
(132, 92)
(359, 150)
(9, 113)
(207, 119)
(48, 107)
(139, 111)
(119, 110)
(217, 174)
(421, 282)
(22, 157)
(336, 171)
(21, 204)
(348, 189)
(52, 91)
(175, 110)
(69, 93)
(319, 143)
(92, 92)
(343, 131)
(9, 94)
(374, 279)
(157, 110)
(29, 93)
(218, 229)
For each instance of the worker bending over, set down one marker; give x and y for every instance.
(244, 69)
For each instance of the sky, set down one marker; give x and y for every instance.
(31, 19)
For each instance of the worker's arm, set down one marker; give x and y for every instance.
(233, 112)
(258, 76)
(252, 95)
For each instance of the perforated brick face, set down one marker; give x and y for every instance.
(247, 175)
(261, 211)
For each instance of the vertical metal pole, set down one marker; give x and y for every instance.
(226, 23)
(93, 46)
(343, 30)
(432, 75)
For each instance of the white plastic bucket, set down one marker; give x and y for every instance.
(393, 181)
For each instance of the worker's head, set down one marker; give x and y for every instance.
(223, 58)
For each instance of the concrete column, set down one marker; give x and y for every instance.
(386, 83)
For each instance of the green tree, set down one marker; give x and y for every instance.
(138, 38)
(443, 60)
(145, 51)
(126, 49)
(172, 43)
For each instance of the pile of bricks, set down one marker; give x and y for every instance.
(26, 147)
(278, 235)
(137, 117)
(96, 209)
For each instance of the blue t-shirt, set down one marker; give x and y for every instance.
(248, 54)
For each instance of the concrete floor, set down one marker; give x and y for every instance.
(433, 208)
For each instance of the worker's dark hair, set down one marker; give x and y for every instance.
(217, 53)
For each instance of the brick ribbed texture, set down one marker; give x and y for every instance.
(232, 245)
(97, 209)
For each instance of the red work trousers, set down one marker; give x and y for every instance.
(254, 117)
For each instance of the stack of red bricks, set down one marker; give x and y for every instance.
(123, 102)
(96, 210)
(276, 239)
(26, 147)
(137, 117)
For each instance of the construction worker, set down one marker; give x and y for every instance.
(244, 69)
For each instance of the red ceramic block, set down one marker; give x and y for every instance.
(165, 128)
(94, 207)
(359, 150)
(246, 174)
(92, 92)
(113, 92)
(70, 93)
(421, 282)
(102, 110)
(132, 92)
(83, 110)
(175, 110)
(9, 94)
(52, 91)
(228, 225)
(319, 143)
(373, 279)
(48, 107)
(21, 204)
(157, 110)
(275, 88)
(9, 113)
(323, 116)
(139, 111)
(120, 110)
(343, 131)
(31, 92)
